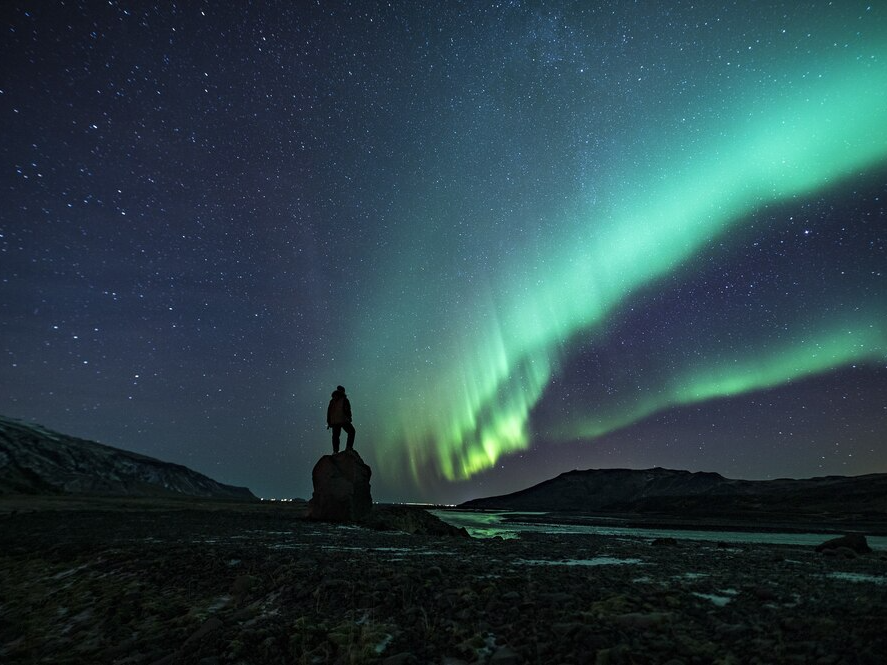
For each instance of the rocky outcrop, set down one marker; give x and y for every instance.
(412, 520)
(341, 488)
(36, 460)
(855, 542)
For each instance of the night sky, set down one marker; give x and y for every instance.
(526, 237)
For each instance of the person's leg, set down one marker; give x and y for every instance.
(349, 428)
(337, 432)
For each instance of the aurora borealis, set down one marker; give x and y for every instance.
(527, 237)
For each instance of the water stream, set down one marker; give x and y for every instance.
(492, 524)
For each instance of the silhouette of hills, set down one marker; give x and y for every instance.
(36, 460)
(685, 493)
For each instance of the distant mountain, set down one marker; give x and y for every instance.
(35, 460)
(669, 491)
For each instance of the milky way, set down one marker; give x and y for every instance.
(524, 238)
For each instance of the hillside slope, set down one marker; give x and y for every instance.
(667, 490)
(35, 460)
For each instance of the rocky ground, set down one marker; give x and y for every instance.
(212, 584)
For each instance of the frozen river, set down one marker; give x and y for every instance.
(491, 524)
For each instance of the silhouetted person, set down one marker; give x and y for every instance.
(338, 416)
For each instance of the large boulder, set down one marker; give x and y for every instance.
(341, 488)
(856, 542)
(411, 519)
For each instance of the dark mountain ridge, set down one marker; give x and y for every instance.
(668, 490)
(36, 460)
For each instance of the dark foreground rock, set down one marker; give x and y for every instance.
(261, 585)
(855, 542)
(341, 488)
(410, 520)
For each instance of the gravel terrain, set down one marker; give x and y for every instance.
(141, 583)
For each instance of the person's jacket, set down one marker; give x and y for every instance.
(339, 410)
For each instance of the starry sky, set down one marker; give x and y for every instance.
(527, 237)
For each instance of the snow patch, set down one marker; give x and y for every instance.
(381, 646)
(858, 577)
(67, 573)
(716, 599)
(690, 576)
(221, 602)
(594, 561)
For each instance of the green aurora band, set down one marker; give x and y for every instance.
(488, 368)
(853, 343)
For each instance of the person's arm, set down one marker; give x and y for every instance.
(348, 409)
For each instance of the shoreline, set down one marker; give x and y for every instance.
(628, 525)
(714, 522)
